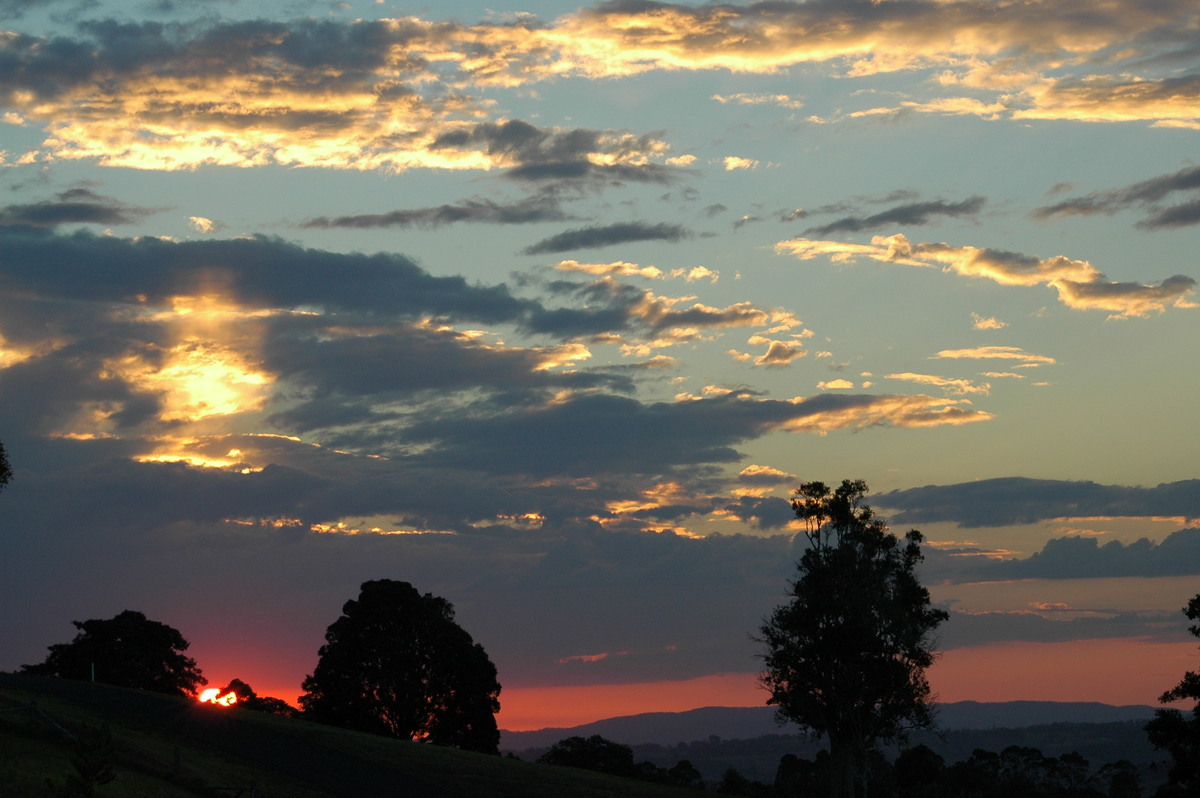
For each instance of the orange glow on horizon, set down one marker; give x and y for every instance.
(1118, 672)
(530, 708)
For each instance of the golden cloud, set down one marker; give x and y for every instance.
(1080, 285)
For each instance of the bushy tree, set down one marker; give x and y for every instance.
(127, 650)
(1175, 733)
(846, 655)
(395, 663)
(591, 753)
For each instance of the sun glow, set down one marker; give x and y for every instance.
(213, 696)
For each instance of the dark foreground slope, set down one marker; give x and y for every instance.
(168, 747)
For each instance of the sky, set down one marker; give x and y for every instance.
(547, 308)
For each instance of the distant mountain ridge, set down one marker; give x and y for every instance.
(669, 728)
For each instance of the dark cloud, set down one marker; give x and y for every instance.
(1016, 500)
(916, 213)
(1147, 193)
(1033, 626)
(1182, 215)
(1084, 558)
(606, 235)
(604, 434)
(586, 173)
(526, 211)
(78, 206)
(259, 271)
(347, 378)
(543, 154)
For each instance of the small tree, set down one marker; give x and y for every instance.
(127, 650)
(395, 663)
(1172, 731)
(846, 655)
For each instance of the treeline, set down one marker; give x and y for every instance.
(917, 772)
(758, 757)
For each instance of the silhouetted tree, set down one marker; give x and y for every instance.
(917, 772)
(1175, 733)
(734, 783)
(591, 753)
(684, 774)
(1119, 779)
(248, 699)
(5, 469)
(395, 663)
(846, 656)
(127, 650)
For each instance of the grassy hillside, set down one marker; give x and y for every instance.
(173, 748)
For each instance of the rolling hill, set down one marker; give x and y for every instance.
(171, 747)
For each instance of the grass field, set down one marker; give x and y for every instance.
(170, 747)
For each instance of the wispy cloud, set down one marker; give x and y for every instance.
(1147, 193)
(917, 213)
(593, 237)
(527, 211)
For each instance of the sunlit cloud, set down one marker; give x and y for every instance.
(761, 475)
(997, 353)
(734, 162)
(980, 322)
(743, 98)
(958, 387)
(910, 412)
(1080, 285)
(696, 273)
(614, 269)
(157, 98)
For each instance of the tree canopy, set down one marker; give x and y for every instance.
(396, 663)
(127, 650)
(846, 654)
(1176, 733)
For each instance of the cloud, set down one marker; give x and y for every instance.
(764, 476)
(596, 434)
(743, 98)
(1038, 625)
(957, 387)
(779, 353)
(75, 206)
(607, 235)
(1147, 193)
(1027, 359)
(1085, 558)
(735, 162)
(980, 322)
(527, 211)
(917, 213)
(1079, 284)
(615, 269)
(1014, 500)
(202, 224)
(395, 94)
